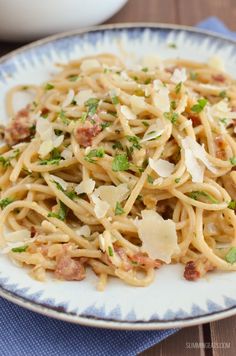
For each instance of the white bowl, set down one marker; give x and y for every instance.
(25, 20)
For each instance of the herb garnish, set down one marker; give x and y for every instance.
(110, 251)
(92, 105)
(231, 255)
(118, 209)
(197, 194)
(5, 202)
(20, 249)
(232, 204)
(49, 86)
(99, 153)
(199, 106)
(172, 116)
(120, 163)
(61, 214)
(233, 161)
(135, 140)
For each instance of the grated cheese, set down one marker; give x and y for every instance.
(86, 186)
(179, 75)
(162, 167)
(83, 96)
(112, 194)
(60, 181)
(138, 104)
(128, 114)
(100, 207)
(153, 131)
(68, 99)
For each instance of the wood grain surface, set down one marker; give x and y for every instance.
(218, 338)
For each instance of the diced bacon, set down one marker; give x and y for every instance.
(20, 127)
(195, 120)
(32, 231)
(218, 78)
(85, 132)
(197, 269)
(145, 261)
(221, 145)
(69, 269)
(126, 264)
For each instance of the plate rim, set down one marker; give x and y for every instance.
(94, 321)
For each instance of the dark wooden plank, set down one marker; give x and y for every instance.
(147, 11)
(191, 12)
(182, 343)
(223, 337)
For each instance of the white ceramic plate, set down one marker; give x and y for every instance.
(170, 301)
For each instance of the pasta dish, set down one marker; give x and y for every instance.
(121, 170)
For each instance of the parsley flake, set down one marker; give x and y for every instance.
(61, 214)
(178, 87)
(135, 140)
(231, 255)
(98, 153)
(172, 116)
(193, 75)
(199, 106)
(20, 249)
(73, 77)
(92, 105)
(120, 163)
(150, 179)
(110, 251)
(197, 194)
(232, 204)
(118, 209)
(5, 202)
(115, 100)
(233, 161)
(49, 86)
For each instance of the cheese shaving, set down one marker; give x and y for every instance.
(162, 167)
(86, 186)
(179, 75)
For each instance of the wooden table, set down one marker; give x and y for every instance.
(206, 339)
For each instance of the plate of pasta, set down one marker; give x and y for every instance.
(117, 176)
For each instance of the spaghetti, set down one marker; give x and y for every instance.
(121, 170)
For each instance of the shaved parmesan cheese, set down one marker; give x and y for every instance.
(138, 104)
(67, 153)
(45, 148)
(68, 98)
(161, 99)
(83, 96)
(128, 114)
(20, 235)
(161, 167)
(157, 84)
(195, 169)
(179, 75)
(198, 152)
(212, 87)
(152, 61)
(112, 194)
(158, 236)
(222, 110)
(89, 64)
(101, 241)
(114, 92)
(217, 63)
(125, 76)
(60, 181)
(101, 207)
(154, 131)
(44, 129)
(84, 231)
(57, 140)
(86, 186)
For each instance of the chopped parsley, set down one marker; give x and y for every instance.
(223, 94)
(148, 81)
(115, 100)
(120, 163)
(72, 195)
(197, 194)
(135, 140)
(172, 45)
(55, 158)
(173, 105)
(104, 125)
(117, 145)
(233, 161)
(232, 204)
(73, 77)
(178, 87)
(223, 121)
(145, 123)
(58, 185)
(20, 249)
(193, 75)
(145, 69)
(5, 202)
(98, 153)
(61, 214)
(49, 86)
(177, 180)
(64, 118)
(172, 116)
(118, 209)
(92, 105)
(44, 115)
(201, 103)
(25, 87)
(110, 251)
(83, 117)
(231, 255)
(6, 162)
(150, 179)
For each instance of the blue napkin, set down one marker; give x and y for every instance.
(24, 333)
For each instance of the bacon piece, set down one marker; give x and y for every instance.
(218, 78)
(32, 231)
(69, 269)
(20, 127)
(197, 269)
(85, 132)
(195, 120)
(145, 261)
(221, 144)
(126, 264)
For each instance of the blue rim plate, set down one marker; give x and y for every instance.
(170, 302)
